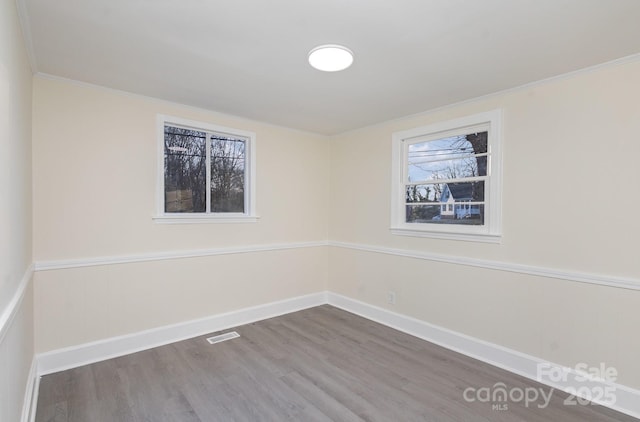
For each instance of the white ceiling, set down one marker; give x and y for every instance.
(249, 57)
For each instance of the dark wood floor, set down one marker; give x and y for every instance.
(320, 364)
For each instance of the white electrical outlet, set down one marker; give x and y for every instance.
(391, 297)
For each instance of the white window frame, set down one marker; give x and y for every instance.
(249, 216)
(491, 230)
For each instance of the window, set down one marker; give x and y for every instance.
(205, 172)
(447, 179)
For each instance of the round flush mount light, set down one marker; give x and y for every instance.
(330, 57)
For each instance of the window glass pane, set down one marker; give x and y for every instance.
(184, 170)
(461, 192)
(448, 158)
(445, 192)
(460, 213)
(227, 174)
(470, 166)
(445, 203)
(430, 192)
(423, 213)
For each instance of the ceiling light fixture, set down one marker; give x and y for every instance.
(330, 58)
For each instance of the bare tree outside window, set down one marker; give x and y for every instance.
(227, 174)
(185, 170)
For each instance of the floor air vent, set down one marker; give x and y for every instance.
(223, 337)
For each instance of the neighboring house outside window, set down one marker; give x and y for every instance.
(462, 196)
(205, 172)
(447, 179)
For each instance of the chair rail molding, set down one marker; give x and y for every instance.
(599, 279)
(167, 255)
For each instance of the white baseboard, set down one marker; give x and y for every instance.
(72, 357)
(627, 400)
(31, 394)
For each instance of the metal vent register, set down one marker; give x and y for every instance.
(223, 337)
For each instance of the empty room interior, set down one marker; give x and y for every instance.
(320, 211)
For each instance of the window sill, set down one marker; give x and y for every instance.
(204, 219)
(467, 237)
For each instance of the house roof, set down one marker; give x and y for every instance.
(249, 58)
(461, 191)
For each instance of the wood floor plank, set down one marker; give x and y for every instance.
(321, 364)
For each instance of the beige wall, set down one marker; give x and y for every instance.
(16, 356)
(81, 305)
(95, 178)
(571, 155)
(15, 154)
(16, 334)
(95, 181)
